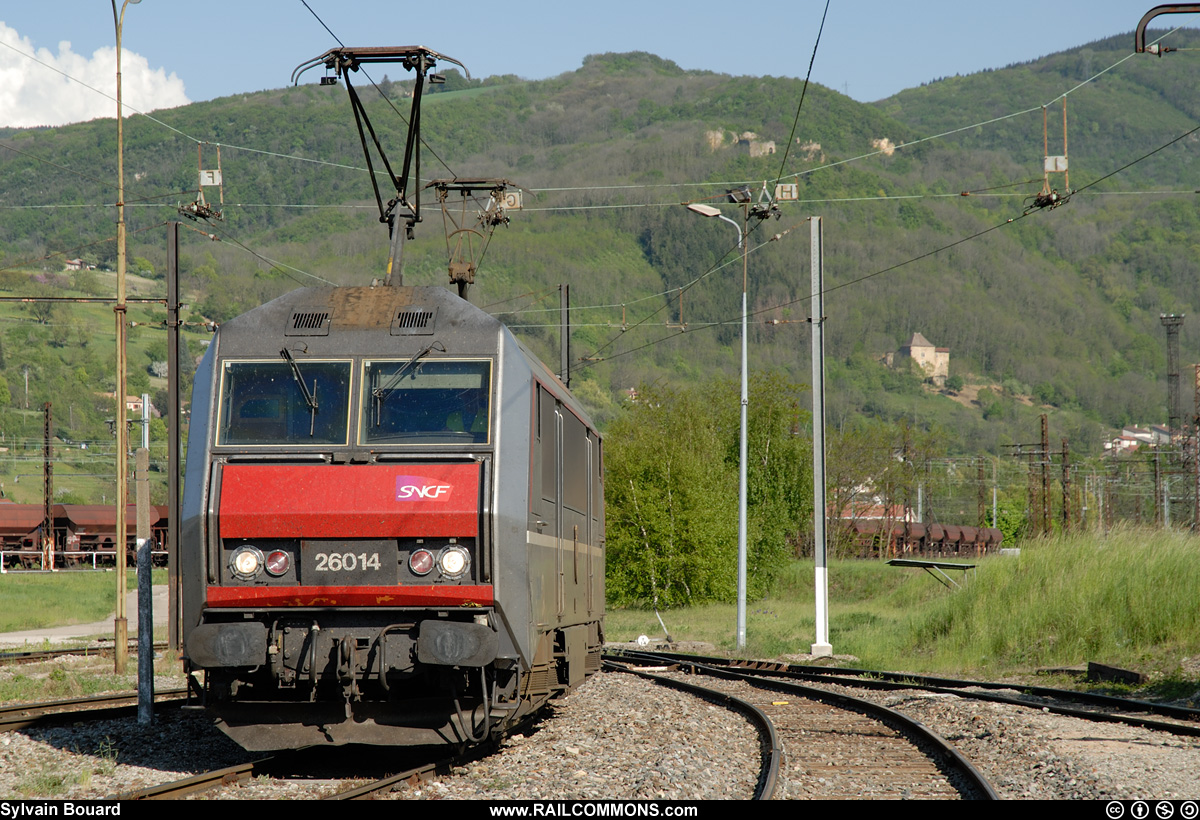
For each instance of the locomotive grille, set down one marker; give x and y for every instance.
(308, 323)
(414, 321)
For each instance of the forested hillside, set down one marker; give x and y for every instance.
(1054, 311)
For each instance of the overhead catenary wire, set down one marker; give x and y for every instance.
(804, 90)
(282, 267)
(836, 200)
(743, 241)
(594, 188)
(962, 240)
(582, 188)
(1009, 221)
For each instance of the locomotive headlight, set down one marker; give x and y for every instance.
(246, 562)
(453, 562)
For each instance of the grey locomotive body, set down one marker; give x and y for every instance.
(393, 523)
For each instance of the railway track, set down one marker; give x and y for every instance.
(620, 737)
(841, 747)
(1100, 708)
(19, 656)
(72, 710)
(252, 775)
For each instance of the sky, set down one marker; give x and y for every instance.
(179, 52)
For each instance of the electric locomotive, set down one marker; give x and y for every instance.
(393, 524)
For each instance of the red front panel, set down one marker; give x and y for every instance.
(349, 501)
(425, 595)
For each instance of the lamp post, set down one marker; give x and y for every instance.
(710, 211)
(120, 622)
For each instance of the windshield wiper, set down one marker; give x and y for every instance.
(386, 390)
(310, 399)
(380, 394)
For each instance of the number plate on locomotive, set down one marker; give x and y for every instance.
(348, 563)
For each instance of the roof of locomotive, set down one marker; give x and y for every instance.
(358, 320)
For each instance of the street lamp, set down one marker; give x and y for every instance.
(710, 211)
(120, 622)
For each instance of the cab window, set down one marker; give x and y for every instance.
(426, 402)
(263, 403)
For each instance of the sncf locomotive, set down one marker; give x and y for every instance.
(393, 524)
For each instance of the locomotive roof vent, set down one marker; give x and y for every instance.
(308, 322)
(414, 321)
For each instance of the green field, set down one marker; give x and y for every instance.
(33, 600)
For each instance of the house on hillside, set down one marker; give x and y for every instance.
(935, 361)
(1132, 437)
(133, 404)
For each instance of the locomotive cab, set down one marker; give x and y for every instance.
(364, 539)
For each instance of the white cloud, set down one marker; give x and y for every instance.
(34, 93)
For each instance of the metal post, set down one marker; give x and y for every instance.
(145, 592)
(710, 211)
(1066, 487)
(821, 647)
(995, 494)
(1196, 450)
(47, 491)
(1158, 493)
(981, 494)
(173, 432)
(120, 623)
(742, 481)
(1045, 454)
(564, 293)
(146, 421)
(1172, 323)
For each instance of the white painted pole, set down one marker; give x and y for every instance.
(822, 647)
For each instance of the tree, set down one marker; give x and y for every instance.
(875, 464)
(670, 513)
(142, 266)
(672, 488)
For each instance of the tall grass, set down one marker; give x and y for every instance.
(1130, 598)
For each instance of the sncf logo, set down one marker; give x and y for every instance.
(417, 488)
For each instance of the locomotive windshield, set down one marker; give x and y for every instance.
(293, 402)
(426, 402)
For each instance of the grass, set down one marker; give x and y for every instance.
(50, 781)
(78, 676)
(1128, 599)
(60, 682)
(30, 600)
(868, 600)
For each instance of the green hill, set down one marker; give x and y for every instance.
(1055, 311)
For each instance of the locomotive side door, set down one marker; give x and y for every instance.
(561, 512)
(545, 513)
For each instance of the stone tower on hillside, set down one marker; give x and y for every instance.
(935, 361)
